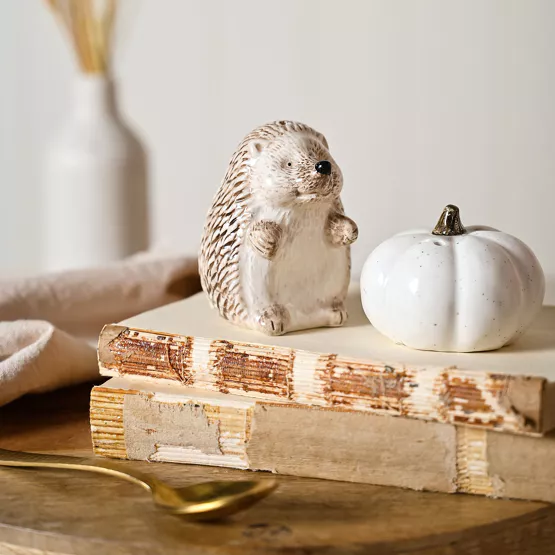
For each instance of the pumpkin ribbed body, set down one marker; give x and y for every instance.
(476, 291)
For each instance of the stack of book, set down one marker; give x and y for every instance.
(338, 403)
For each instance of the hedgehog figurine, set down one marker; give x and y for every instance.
(275, 253)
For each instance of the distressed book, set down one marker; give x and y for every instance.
(143, 420)
(352, 367)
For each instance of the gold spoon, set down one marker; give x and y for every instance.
(202, 501)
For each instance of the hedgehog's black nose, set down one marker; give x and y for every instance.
(323, 167)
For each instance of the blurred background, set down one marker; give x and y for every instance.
(423, 103)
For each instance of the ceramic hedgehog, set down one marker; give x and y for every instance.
(275, 252)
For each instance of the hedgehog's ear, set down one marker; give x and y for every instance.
(256, 146)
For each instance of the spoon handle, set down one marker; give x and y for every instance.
(23, 459)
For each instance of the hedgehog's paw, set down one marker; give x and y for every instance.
(274, 320)
(342, 231)
(265, 237)
(337, 315)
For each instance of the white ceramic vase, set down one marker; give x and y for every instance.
(95, 183)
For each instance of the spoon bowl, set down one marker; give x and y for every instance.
(212, 500)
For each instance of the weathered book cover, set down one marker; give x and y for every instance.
(352, 367)
(141, 420)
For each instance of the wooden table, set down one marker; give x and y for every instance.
(52, 512)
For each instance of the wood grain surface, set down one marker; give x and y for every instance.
(65, 512)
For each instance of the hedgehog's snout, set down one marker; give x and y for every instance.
(323, 167)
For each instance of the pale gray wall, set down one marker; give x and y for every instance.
(424, 102)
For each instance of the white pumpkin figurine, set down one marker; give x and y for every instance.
(454, 289)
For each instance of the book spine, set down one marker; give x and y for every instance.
(449, 395)
(318, 443)
(106, 419)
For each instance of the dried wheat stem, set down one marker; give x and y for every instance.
(90, 33)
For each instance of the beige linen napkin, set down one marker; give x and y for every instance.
(49, 324)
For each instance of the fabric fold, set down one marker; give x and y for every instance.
(49, 324)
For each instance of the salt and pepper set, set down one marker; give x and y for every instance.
(275, 257)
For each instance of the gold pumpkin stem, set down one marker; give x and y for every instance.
(450, 222)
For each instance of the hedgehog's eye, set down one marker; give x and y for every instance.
(289, 164)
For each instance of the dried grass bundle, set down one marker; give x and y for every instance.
(90, 25)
